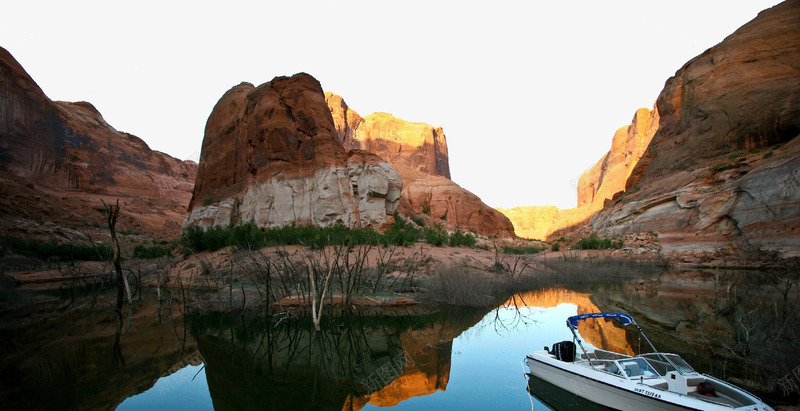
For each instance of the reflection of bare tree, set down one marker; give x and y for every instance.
(280, 361)
(119, 359)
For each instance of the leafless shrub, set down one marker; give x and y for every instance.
(458, 285)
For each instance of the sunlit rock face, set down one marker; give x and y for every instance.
(596, 187)
(600, 332)
(271, 155)
(58, 159)
(724, 164)
(418, 152)
(716, 161)
(609, 175)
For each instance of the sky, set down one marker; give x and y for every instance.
(529, 93)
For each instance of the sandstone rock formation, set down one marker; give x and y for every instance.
(596, 186)
(271, 155)
(58, 159)
(721, 166)
(418, 152)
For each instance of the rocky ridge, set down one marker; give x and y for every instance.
(271, 155)
(596, 186)
(59, 159)
(418, 152)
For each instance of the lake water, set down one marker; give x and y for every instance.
(70, 354)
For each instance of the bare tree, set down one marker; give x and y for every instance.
(112, 212)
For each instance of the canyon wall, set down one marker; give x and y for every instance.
(716, 162)
(596, 186)
(271, 155)
(724, 165)
(418, 152)
(59, 159)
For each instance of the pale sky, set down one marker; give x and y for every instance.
(529, 93)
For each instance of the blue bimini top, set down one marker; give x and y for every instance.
(625, 319)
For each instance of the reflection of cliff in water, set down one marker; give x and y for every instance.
(282, 363)
(60, 354)
(601, 333)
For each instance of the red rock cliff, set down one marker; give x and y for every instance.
(723, 163)
(271, 155)
(58, 159)
(418, 152)
(596, 187)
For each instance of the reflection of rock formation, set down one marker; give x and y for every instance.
(65, 361)
(355, 360)
(601, 333)
(428, 369)
(256, 363)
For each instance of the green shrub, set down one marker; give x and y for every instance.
(522, 249)
(769, 154)
(719, 166)
(154, 251)
(435, 236)
(594, 242)
(462, 239)
(248, 235)
(400, 233)
(555, 247)
(418, 220)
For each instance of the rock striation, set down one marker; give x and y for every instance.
(271, 155)
(59, 159)
(418, 152)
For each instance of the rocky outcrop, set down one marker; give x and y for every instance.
(608, 177)
(271, 154)
(533, 221)
(596, 186)
(59, 159)
(721, 166)
(418, 152)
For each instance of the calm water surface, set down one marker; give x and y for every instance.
(428, 359)
(75, 353)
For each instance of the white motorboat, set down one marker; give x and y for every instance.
(650, 381)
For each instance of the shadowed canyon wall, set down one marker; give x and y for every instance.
(58, 159)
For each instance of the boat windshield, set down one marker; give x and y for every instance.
(664, 363)
(635, 368)
(680, 363)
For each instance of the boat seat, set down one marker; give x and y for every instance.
(691, 383)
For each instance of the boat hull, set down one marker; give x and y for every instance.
(609, 390)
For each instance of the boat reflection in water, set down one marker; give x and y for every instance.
(557, 398)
